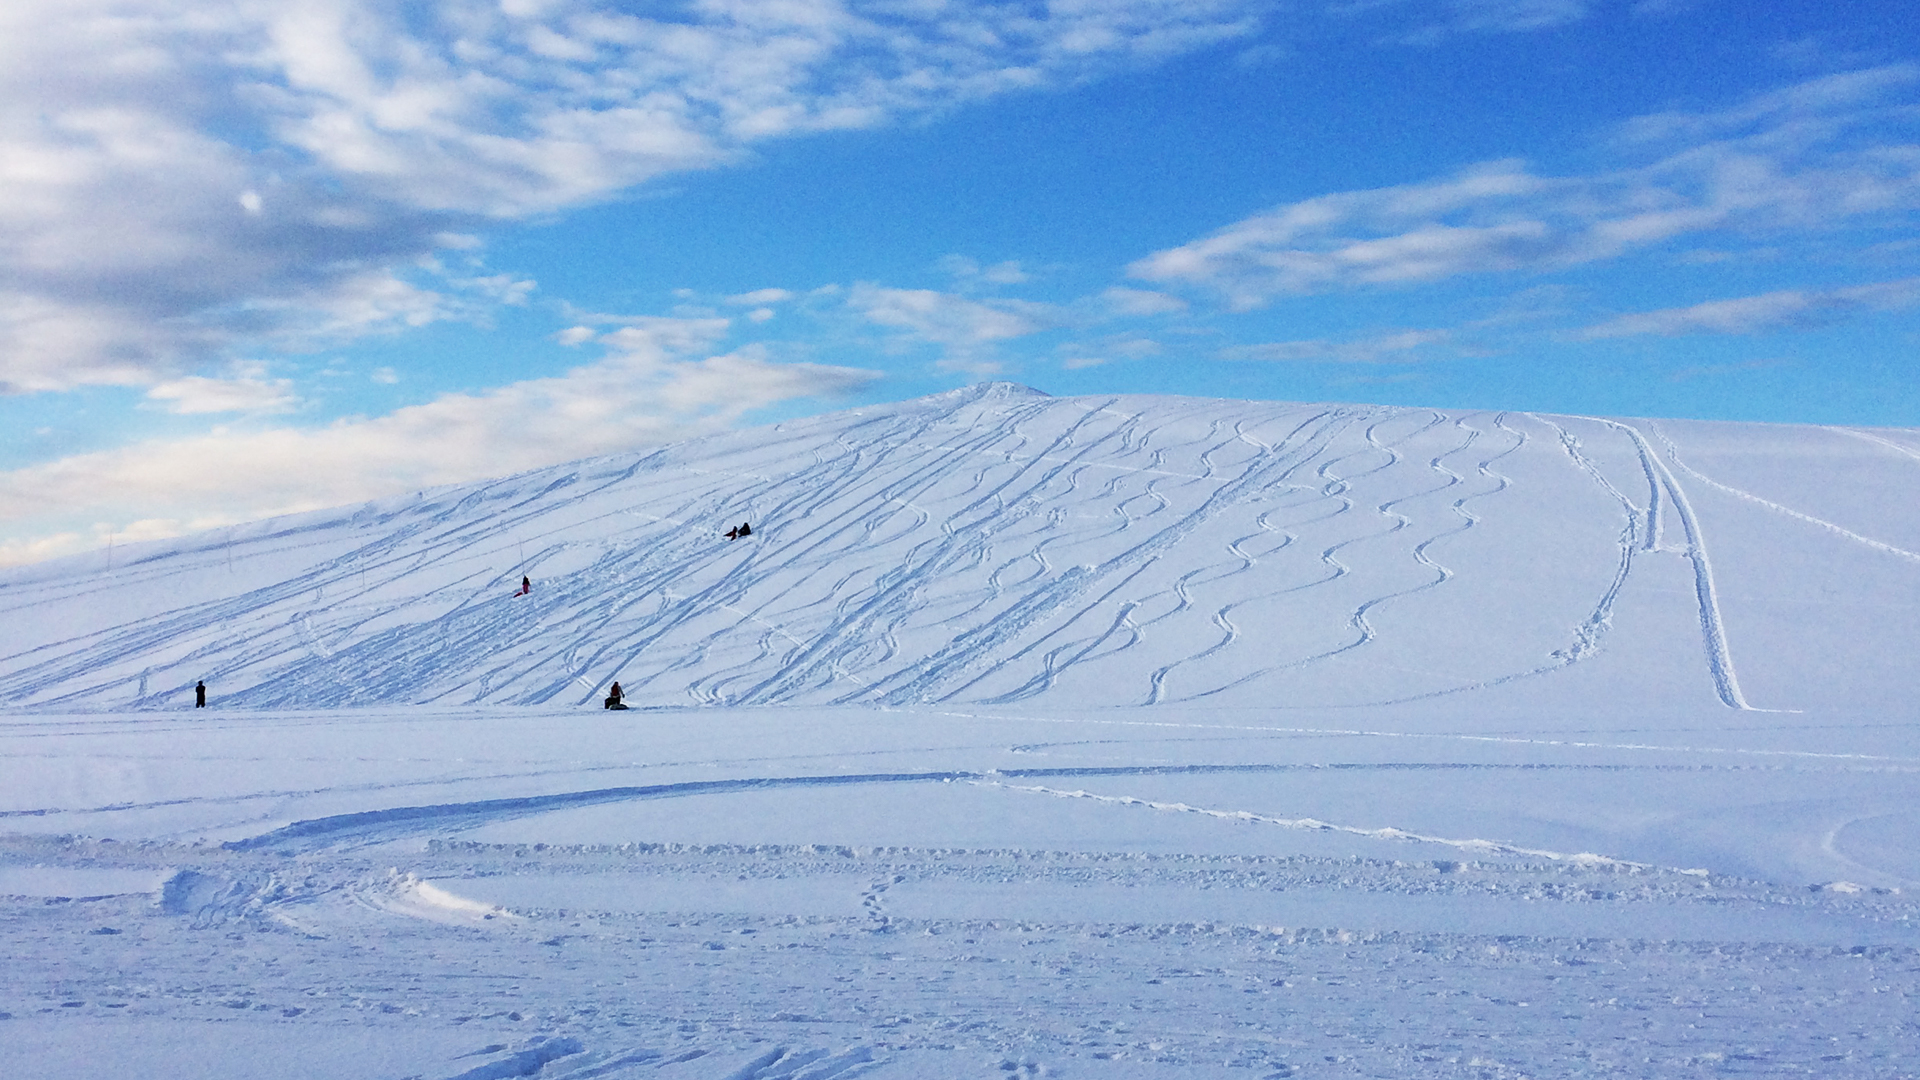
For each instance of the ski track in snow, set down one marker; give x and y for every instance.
(1645, 533)
(1387, 832)
(1712, 625)
(373, 827)
(1673, 455)
(1881, 441)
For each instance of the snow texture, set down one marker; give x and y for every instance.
(1025, 736)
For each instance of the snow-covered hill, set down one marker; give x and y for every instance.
(1118, 738)
(998, 546)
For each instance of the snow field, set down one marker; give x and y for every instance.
(919, 893)
(1116, 738)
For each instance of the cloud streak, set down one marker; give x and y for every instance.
(1787, 309)
(1794, 160)
(1454, 18)
(964, 329)
(1399, 347)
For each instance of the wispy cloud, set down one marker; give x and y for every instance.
(968, 274)
(1398, 347)
(247, 392)
(1792, 160)
(964, 329)
(761, 297)
(1140, 302)
(182, 177)
(1715, 370)
(1788, 309)
(661, 382)
(1075, 355)
(1436, 22)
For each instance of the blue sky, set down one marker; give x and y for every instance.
(255, 260)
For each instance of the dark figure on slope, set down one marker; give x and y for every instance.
(526, 586)
(740, 530)
(733, 533)
(746, 529)
(200, 695)
(614, 698)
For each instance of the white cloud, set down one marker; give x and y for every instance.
(246, 393)
(945, 319)
(969, 274)
(1786, 309)
(655, 388)
(1402, 346)
(1451, 18)
(185, 176)
(1807, 109)
(761, 297)
(1792, 160)
(1085, 354)
(1512, 16)
(1139, 302)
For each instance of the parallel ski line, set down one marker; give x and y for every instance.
(1712, 627)
(1385, 833)
(1454, 736)
(1673, 452)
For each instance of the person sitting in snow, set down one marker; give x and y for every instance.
(745, 529)
(614, 698)
(733, 533)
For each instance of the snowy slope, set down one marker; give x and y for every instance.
(997, 546)
(1120, 738)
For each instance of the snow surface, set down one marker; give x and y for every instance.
(1128, 737)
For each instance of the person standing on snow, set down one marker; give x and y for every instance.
(614, 698)
(200, 694)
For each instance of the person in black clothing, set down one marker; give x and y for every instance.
(746, 529)
(200, 695)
